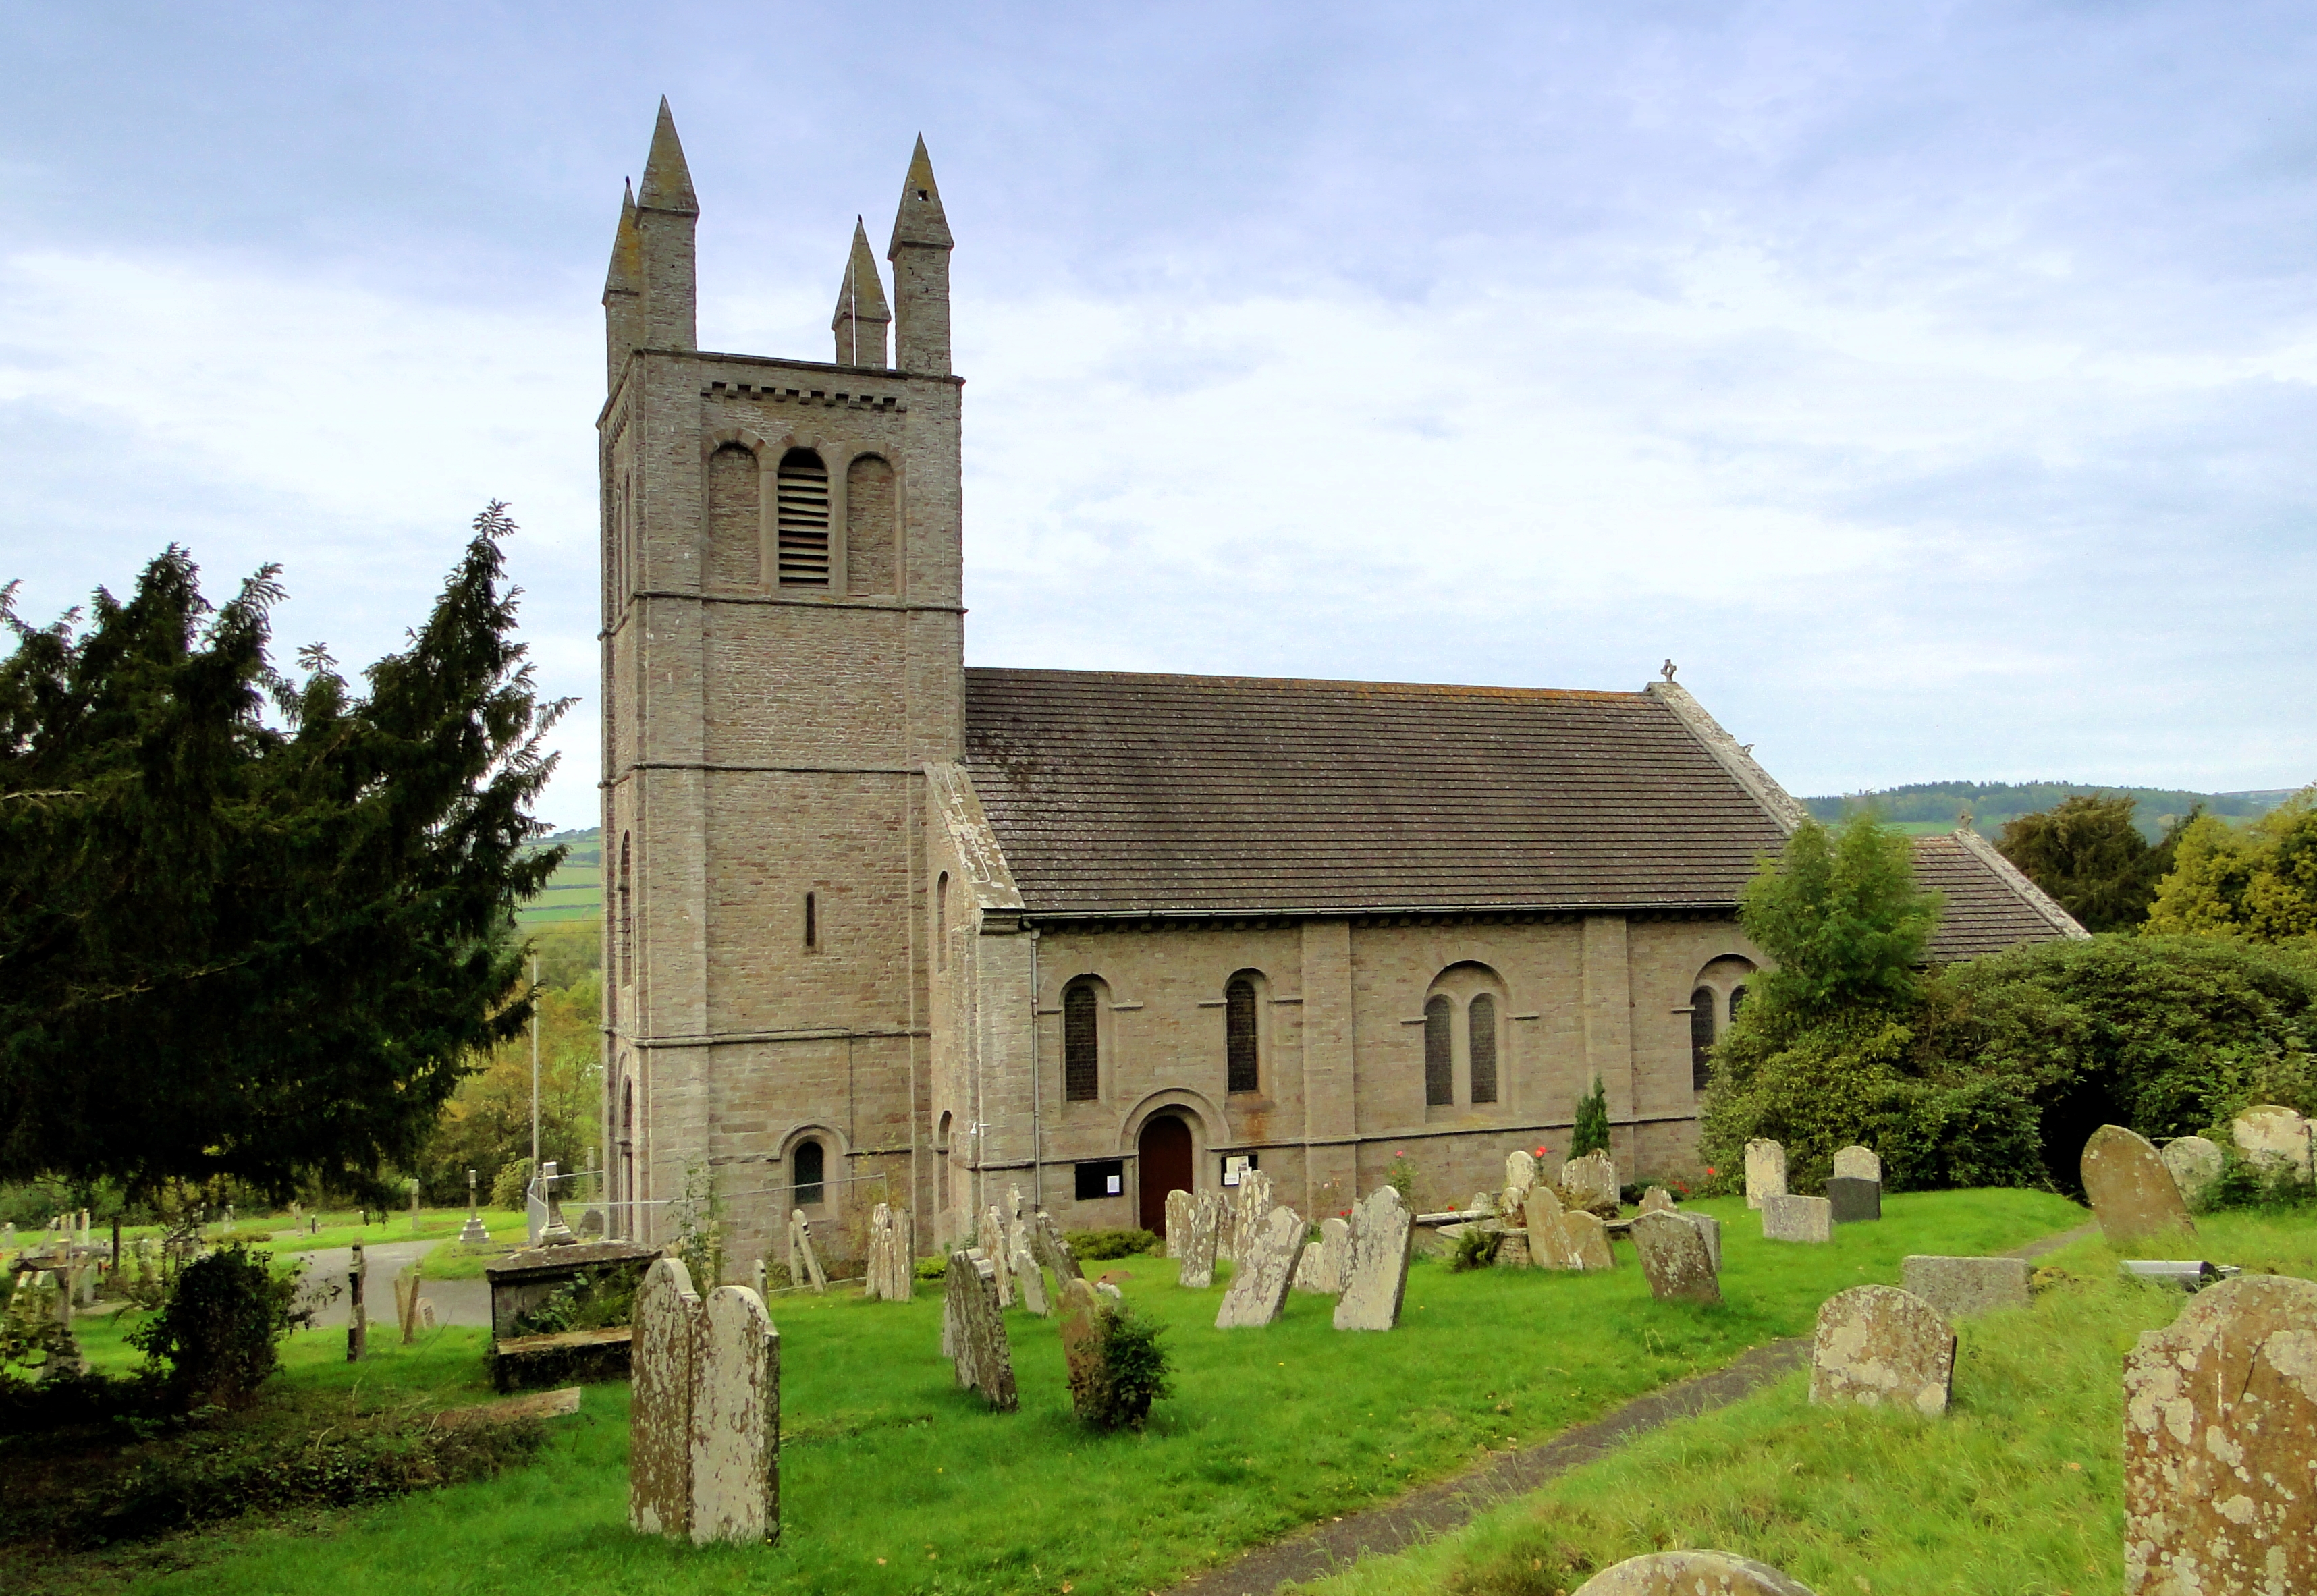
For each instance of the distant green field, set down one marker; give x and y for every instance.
(575, 890)
(1927, 807)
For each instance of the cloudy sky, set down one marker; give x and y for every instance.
(1934, 383)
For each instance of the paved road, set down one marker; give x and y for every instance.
(456, 1302)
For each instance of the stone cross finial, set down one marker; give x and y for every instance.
(1667, 670)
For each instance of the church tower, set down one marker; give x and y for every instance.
(782, 659)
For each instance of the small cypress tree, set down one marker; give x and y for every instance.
(1592, 1132)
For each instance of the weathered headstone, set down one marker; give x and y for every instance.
(1691, 1573)
(2220, 1441)
(804, 1262)
(974, 1330)
(591, 1225)
(1483, 1203)
(994, 1248)
(891, 1268)
(1028, 1279)
(1050, 1247)
(1307, 1267)
(1786, 1217)
(2132, 1192)
(405, 1303)
(1178, 1222)
(1376, 1278)
(1197, 1253)
(1852, 1201)
(1548, 1245)
(660, 1409)
(426, 1313)
(1334, 1254)
(1657, 1199)
(1250, 1209)
(1591, 1182)
(2275, 1137)
(1081, 1325)
(1881, 1347)
(1710, 1228)
(1512, 1245)
(1963, 1288)
(1520, 1168)
(2195, 1164)
(1675, 1259)
(736, 1421)
(1766, 1172)
(1265, 1268)
(1588, 1240)
(1857, 1163)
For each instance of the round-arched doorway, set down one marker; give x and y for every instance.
(1163, 1152)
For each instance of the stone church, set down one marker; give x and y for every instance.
(881, 927)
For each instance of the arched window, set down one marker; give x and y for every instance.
(812, 1172)
(1439, 1054)
(941, 922)
(801, 487)
(941, 1152)
(869, 526)
(1241, 1063)
(1081, 1045)
(1737, 996)
(736, 527)
(1481, 1013)
(627, 916)
(627, 1155)
(1701, 1037)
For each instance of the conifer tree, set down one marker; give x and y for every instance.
(1591, 1133)
(252, 944)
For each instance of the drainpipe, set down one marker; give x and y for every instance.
(1037, 1120)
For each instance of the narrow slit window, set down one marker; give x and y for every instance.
(1482, 1019)
(811, 920)
(811, 1173)
(941, 922)
(1701, 1036)
(1241, 1063)
(1439, 1058)
(627, 913)
(1081, 1046)
(800, 487)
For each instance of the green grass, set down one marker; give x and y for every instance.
(2018, 1489)
(1270, 1430)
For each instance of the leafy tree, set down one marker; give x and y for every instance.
(1839, 913)
(2088, 853)
(486, 1126)
(252, 945)
(1590, 1134)
(2259, 883)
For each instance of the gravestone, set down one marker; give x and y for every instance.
(1963, 1287)
(1197, 1253)
(2195, 1164)
(736, 1421)
(554, 1233)
(1675, 1259)
(804, 1263)
(1786, 1217)
(1049, 1247)
(1265, 1268)
(992, 1238)
(1591, 1182)
(1657, 1199)
(1179, 1223)
(1081, 1324)
(1307, 1267)
(1857, 1163)
(1250, 1211)
(405, 1303)
(659, 1405)
(1512, 1245)
(1881, 1347)
(1549, 1244)
(2220, 1433)
(1692, 1574)
(1520, 1168)
(426, 1313)
(1028, 1278)
(1483, 1203)
(2132, 1192)
(1320, 1269)
(591, 1225)
(892, 1274)
(2273, 1137)
(1375, 1281)
(1854, 1199)
(1588, 1240)
(760, 1277)
(973, 1329)
(1710, 1228)
(1766, 1172)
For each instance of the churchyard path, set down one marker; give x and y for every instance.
(456, 1302)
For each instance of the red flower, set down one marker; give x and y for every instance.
(1709, 1169)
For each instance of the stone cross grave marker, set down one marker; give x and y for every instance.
(2132, 1192)
(1964, 1288)
(1691, 1573)
(1766, 1172)
(1376, 1280)
(973, 1330)
(2195, 1164)
(704, 1412)
(1881, 1347)
(1265, 1268)
(1853, 1200)
(1657, 1199)
(1591, 1182)
(2273, 1137)
(804, 1263)
(1197, 1253)
(1675, 1259)
(1786, 1217)
(474, 1233)
(1857, 1163)
(2220, 1437)
(1179, 1223)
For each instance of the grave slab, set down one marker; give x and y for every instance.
(1855, 1200)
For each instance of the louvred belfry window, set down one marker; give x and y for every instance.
(801, 488)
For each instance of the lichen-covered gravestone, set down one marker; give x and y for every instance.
(1197, 1253)
(2274, 1137)
(1857, 1163)
(1692, 1574)
(2195, 1164)
(1376, 1280)
(2133, 1194)
(1265, 1271)
(1178, 1222)
(1657, 1199)
(804, 1263)
(2220, 1445)
(1963, 1287)
(973, 1332)
(1710, 1228)
(1588, 1240)
(1081, 1325)
(736, 1421)
(1789, 1218)
(659, 1405)
(1320, 1270)
(1591, 1182)
(1249, 1207)
(1675, 1259)
(1766, 1172)
(993, 1247)
(1049, 1247)
(892, 1259)
(1881, 1347)
(1548, 1230)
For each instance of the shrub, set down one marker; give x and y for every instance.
(512, 1184)
(1088, 1245)
(597, 1300)
(1135, 1372)
(220, 1329)
(1401, 1176)
(1474, 1248)
(935, 1267)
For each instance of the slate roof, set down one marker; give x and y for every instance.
(1116, 794)
(1986, 910)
